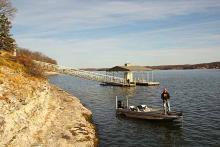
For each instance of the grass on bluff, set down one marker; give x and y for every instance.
(31, 67)
(20, 63)
(6, 59)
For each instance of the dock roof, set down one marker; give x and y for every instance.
(129, 68)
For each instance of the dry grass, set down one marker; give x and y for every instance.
(11, 64)
(31, 67)
(20, 64)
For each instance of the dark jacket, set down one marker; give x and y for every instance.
(165, 96)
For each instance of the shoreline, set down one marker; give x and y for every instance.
(66, 94)
(35, 112)
(67, 97)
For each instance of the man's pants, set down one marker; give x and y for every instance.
(166, 104)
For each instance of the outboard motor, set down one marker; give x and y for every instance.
(120, 104)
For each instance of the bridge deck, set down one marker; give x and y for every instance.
(104, 79)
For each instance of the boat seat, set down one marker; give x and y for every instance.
(132, 108)
(147, 109)
(144, 106)
(140, 108)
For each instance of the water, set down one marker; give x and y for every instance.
(195, 92)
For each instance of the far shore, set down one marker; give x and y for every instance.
(51, 73)
(211, 65)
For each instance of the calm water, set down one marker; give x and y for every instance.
(195, 92)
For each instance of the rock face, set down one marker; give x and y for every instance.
(35, 113)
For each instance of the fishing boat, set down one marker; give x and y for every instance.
(145, 112)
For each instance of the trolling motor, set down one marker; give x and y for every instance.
(120, 104)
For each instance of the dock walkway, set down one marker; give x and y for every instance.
(103, 78)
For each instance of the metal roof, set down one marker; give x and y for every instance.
(129, 68)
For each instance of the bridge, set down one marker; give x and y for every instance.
(103, 78)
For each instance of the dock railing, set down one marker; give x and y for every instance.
(93, 75)
(82, 73)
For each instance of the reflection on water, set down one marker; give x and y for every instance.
(125, 91)
(195, 92)
(172, 131)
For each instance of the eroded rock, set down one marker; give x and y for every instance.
(35, 113)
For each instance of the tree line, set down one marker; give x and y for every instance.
(8, 44)
(6, 14)
(212, 65)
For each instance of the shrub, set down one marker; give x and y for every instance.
(36, 56)
(31, 67)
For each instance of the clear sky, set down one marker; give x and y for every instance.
(104, 33)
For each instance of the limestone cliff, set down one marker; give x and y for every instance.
(35, 113)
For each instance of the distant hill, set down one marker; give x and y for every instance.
(212, 65)
(94, 69)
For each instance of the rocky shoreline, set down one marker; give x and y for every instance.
(36, 113)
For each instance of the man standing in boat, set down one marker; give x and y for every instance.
(165, 96)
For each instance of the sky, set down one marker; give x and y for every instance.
(105, 33)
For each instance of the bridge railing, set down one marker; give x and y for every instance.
(82, 73)
(92, 75)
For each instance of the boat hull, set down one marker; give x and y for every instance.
(150, 115)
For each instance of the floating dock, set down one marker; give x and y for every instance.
(104, 79)
(118, 84)
(129, 80)
(143, 83)
(140, 83)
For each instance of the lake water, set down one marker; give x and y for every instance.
(195, 92)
